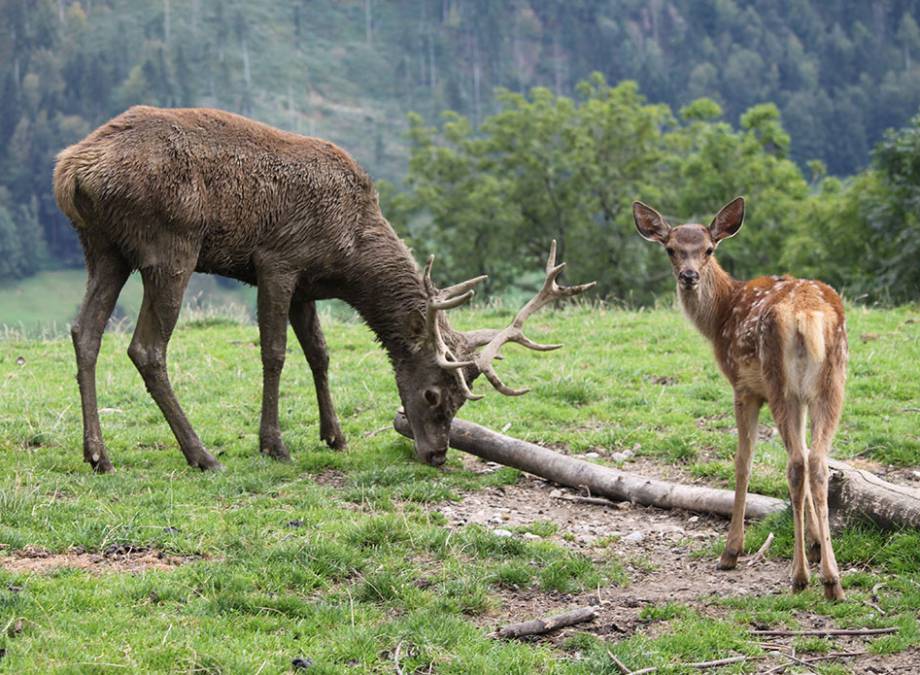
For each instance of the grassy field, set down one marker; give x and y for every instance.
(347, 559)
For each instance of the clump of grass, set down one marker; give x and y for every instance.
(466, 595)
(512, 574)
(569, 574)
(384, 584)
(812, 645)
(664, 612)
(541, 528)
(379, 531)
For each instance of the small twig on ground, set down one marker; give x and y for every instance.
(876, 589)
(826, 631)
(702, 665)
(399, 670)
(761, 552)
(795, 659)
(619, 664)
(875, 607)
(547, 625)
(915, 410)
(369, 434)
(810, 660)
(580, 499)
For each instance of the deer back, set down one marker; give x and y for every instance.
(782, 335)
(232, 183)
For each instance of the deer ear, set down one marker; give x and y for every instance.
(650, 223)
(728, 221)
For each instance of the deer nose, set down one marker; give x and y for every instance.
(689, 276)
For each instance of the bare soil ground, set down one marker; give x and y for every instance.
(116, 558)
(667, 556)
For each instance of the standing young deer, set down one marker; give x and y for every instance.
(776, 339)
(170, 192)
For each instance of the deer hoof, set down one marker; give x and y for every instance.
(728, 561)
(335, 440)
(94, 454)
(799, 585)
(101, 465)
(834, 591)
(276, 451)
(206, 462)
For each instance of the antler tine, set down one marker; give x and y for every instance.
(450, 303)
(550, 292)
(551, 260)
(463, 286)
(439, 300)
(525, 341)
(494, 380)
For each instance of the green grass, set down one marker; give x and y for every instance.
(341, 558)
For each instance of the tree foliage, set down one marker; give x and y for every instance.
(744, 95)
(838, 73)
(864, 234)
(548, 166)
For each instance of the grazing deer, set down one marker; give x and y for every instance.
(170, 192)
(776, 339)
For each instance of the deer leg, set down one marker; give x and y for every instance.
(274, 303)
(747, 410)
(813, 540)
(310, 335)
(163, 289)
(107, 276)
(790, 416)
(825, 417)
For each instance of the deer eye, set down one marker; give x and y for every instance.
(709, 250)
(670, 251)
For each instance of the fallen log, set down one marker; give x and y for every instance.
(852, 492)
(599, 480)
(855, 492)
(547, 625)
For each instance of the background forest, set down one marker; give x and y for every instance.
(492, 127)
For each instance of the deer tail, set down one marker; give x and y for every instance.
(66, 185)
(810, 329)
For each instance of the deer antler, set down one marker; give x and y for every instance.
(448, 298)
(550, 292)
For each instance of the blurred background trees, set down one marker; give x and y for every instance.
(532, 119)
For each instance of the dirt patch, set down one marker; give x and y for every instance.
(331, 478)
(907, 477)
(119, 558)
(662, 552)
(667, 557)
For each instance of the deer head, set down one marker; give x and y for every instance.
(689, 247)
(437, 382)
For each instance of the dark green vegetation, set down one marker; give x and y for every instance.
(344, 557)
(838, 74)
(550, 166)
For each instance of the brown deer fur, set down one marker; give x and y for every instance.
(778, 340)
(169, 192)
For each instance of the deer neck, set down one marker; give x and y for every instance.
(708, 304)
(387, 291)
